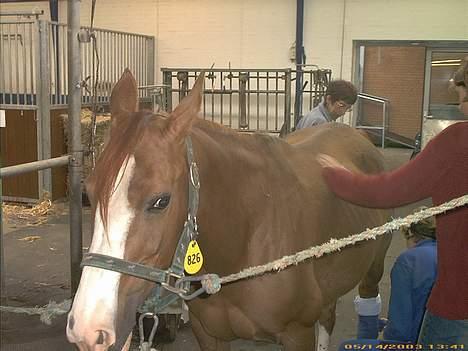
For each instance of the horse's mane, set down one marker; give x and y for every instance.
(124, 139)
(121, 144)
(249, 140)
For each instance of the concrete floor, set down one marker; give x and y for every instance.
(37, 272)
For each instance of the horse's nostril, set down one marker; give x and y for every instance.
(100, 339)
(71, 322)
(105, 337)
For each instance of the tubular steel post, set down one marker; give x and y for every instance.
(167, 80)
(44, 106)
(182, 77)
(38, 90)
(287, 100)
(75, 146)
(299, 58)
(243, 123)
(384, 123)
(33, 166)
(150, 63)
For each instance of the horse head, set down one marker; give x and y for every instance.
(138, 192)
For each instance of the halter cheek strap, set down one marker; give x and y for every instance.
(190, 231)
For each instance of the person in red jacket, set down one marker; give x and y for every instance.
(439, 172)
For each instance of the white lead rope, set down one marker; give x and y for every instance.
(46, 313)
(334, 245)
(54, 309)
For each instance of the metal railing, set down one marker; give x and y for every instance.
(115, 50)
(243, 99)
(33, 62)
(34, 166)
(362, 124)
(18, 63)
(246, 99)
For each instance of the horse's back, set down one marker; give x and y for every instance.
(334, 217)
(346, 144)
(352, 149)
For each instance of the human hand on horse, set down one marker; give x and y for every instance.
(327, 161)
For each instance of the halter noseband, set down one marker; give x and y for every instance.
(171, 279)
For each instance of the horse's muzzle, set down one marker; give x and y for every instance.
(97, 338)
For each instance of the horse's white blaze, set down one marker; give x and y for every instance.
(96, 297)
(323, 338)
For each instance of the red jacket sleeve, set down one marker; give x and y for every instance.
(414, 181)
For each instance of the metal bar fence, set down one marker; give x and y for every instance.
(20, 60)
(382, 127)
(247, 99)
(33, 166)
(244, 99)
(111, 46)
(17, 60)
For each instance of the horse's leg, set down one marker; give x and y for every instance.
(326, 323)
(368, 303)
(298, 338)
(206, 341)
(369, 286)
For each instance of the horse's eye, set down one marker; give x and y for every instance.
(161, 202)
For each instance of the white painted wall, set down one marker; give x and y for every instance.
(24, 6)
(259, 33)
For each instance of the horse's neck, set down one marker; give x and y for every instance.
(242, 186)
(233, 153)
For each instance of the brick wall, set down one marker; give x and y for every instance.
(397, 74)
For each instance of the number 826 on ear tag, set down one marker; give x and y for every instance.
(193, 261)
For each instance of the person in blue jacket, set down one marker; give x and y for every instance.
(412, 278)
(339, 98)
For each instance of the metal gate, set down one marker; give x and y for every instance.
(247, 99)
(33, 63)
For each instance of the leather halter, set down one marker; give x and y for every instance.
(171, 278)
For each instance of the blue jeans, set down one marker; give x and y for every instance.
(437, 330)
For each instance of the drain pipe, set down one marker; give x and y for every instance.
(299, 59)
(53, 7)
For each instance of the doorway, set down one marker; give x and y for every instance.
(412, 77)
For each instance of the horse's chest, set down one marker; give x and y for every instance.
(225, 320)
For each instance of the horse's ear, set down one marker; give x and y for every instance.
(182, 118)
(124, 98)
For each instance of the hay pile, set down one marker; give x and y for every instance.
(19, 215)
(103, 122)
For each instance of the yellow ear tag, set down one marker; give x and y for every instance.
(193, 258)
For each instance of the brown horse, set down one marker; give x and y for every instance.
(261, 198)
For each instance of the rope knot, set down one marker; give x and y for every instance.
(211, 283)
